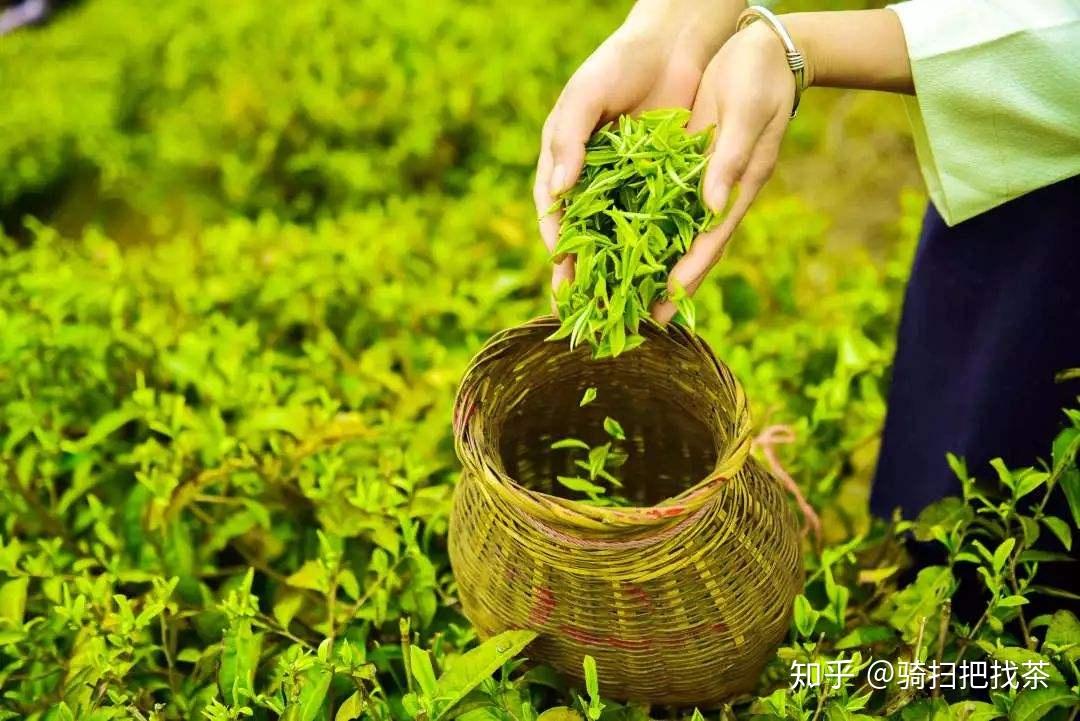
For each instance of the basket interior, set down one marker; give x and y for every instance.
(664, 395)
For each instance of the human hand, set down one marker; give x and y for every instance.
(655, 60)
(747, 92)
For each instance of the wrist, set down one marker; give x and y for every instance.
(775, 51)
(802, 27)
(860, 49)
(697, 27)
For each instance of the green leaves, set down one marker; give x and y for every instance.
(200, 404)
(1064, 630)
(1001, 554)
(314, 685)
(614, 429)
(1060, 529)
(594, 706)
(240, 650)
(13, 601)
(351, 708)
(423, 673)
(1033, 704)
(918, 606)
(599, 464)
(628, 220)
(804, 617)
(439, 696)
(477, 665)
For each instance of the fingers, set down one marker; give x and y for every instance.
(562, 156)
(575, 118)
(705, 251)
(732, 150)
(708, 247)
(549, 222)
(563, 273)
(562, 146)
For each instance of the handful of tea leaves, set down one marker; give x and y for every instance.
(628, 220)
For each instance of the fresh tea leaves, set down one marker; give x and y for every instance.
(588, 397)
(570, 443)
(614, 429)
(630, 217)
(598, 465)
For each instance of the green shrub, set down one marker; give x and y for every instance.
(200, 108)
(264, 241)
(150, 117)
(274, 396)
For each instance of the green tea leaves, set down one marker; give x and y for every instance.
(595, 706)
(614, 429)
(631, 216)
(580, 485)
(476, 666)
(598, 463)
(239, 657)
(684, 305)
(570, 443)
(1033, 704)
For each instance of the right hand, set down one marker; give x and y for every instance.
(647, 63)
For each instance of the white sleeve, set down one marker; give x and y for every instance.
(996, 112)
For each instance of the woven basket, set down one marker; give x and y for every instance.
(681, 598)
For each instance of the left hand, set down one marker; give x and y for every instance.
(746, 91)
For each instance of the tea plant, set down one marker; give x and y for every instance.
(256, 246)
(261, 412)
(852, 602)
(223, 455)
(192, 111)
(628, 220)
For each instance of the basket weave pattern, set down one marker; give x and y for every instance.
(680, 597)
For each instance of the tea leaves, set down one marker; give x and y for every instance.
(248, 250)
(629, 218)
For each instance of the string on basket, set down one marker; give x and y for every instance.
(767, 441)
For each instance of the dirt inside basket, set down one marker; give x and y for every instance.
(669, 444)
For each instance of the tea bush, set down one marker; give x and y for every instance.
(153, 117)
(250, 249)
(306, 108)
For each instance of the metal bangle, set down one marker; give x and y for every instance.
(795, 59)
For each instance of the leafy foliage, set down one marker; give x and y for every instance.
(190, 110)
(601, 463)
(251, 249)
(228, 459)
(628, 220)
(854, 612)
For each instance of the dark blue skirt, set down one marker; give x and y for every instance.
(991, 313)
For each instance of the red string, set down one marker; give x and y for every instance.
(767, 441)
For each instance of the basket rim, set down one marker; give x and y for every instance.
(578, 515)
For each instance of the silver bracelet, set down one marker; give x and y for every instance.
(795, 59)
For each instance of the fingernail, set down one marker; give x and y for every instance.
(558, 178)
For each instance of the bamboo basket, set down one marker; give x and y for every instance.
(681, 597)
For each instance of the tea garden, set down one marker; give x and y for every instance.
(247, 253)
